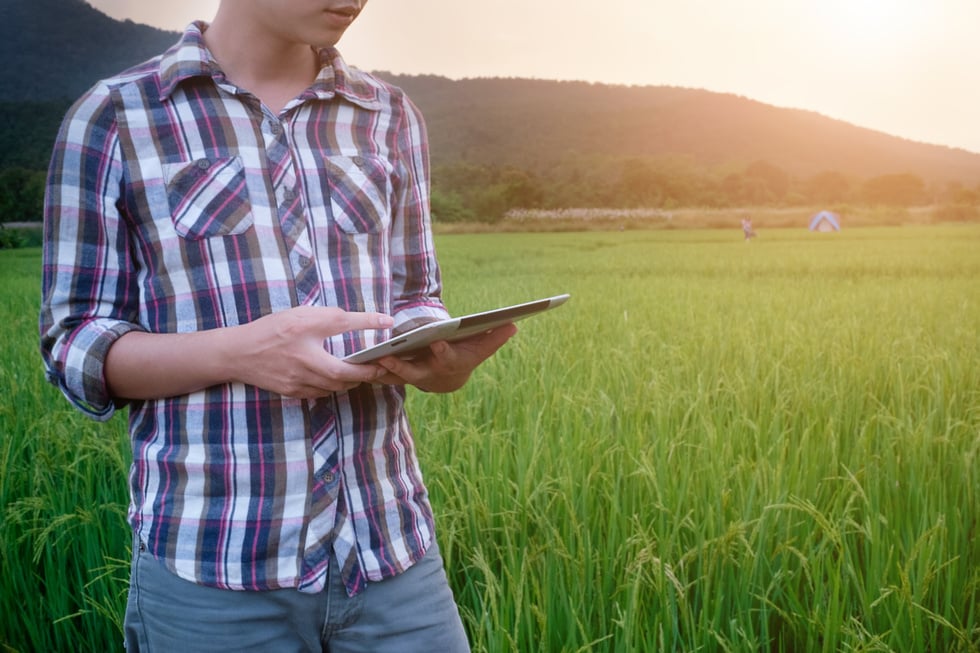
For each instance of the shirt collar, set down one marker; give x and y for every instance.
(336, 77)
(190, 58)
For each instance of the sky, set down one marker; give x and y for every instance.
(910, 68)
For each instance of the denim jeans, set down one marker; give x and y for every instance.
(414, 611)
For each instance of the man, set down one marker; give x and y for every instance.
(222, 225)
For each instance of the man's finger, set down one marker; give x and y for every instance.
(359, 321)
(332, 321)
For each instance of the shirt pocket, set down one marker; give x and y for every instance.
(208, 197)
(360, 191)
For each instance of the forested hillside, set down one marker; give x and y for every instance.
(56, 49)
(536, 124)
(498, 144)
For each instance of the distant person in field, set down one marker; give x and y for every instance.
(747, 229)
(223, 223)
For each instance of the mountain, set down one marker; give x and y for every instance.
(534, 123)
(55, 49)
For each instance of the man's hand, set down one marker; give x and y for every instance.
(282, 352)
(285, 353)
(445, 366)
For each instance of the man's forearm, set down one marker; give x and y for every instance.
(156, 365)
(282, 352)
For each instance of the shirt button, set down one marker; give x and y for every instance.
(289, 194)
(304, 261)
(358, 161)
(327, 478)
(275, 128)
(203, 164)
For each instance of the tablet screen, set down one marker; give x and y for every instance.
(456, 328)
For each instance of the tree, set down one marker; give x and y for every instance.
(639, 185)
(828, 187)
(21, 195)
(740, 189)
(772, 178)
(521, 189)
(448, 207)
(895, 190)
(956, 193)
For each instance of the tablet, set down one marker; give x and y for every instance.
(455, 328)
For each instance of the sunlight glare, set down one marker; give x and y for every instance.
(880, 19)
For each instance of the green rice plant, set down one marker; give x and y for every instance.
(713, 446)
(63, 541)
(730, 447)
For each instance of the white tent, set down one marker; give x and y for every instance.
(825, 221)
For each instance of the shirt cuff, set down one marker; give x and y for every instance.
(78, 369)
(416, 315)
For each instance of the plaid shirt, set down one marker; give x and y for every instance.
(177, 202)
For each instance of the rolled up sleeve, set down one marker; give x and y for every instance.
(90, 293)
(75, 364)
(416, 275)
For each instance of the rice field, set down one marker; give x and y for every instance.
(714, 446)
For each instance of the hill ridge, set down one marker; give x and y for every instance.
(58, 48)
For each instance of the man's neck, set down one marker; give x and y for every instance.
(275, 70)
